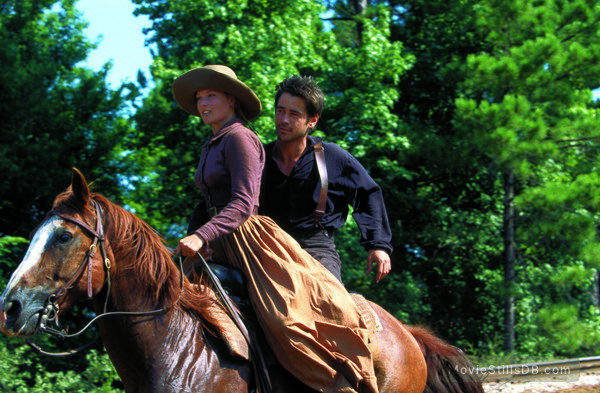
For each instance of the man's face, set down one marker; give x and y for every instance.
(291, 119)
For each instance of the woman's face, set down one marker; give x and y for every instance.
(215, 107)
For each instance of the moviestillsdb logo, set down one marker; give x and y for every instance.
(542, 372)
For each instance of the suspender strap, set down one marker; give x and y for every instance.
(320, 159)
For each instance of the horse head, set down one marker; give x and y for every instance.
(62, 265)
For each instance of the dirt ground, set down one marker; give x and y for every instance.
(534, 389)
(588, 383)
(587, 389)
(580, 389)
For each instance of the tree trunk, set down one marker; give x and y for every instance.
(509, 261)
(359, 7)
(596, 290)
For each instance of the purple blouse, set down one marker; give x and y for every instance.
(229, 176)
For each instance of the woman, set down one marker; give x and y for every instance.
(310, 321)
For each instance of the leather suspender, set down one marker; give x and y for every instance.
(320, 159)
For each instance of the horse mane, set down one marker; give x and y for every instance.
(142, 257)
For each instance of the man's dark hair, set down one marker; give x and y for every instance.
(303, 87)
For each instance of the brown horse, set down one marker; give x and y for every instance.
(169, 350)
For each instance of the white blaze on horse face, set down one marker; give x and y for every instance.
(36, 249)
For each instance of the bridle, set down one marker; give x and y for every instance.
(98, 241)
(51, 307)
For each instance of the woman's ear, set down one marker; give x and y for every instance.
(231, 100)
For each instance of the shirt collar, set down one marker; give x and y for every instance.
(227, 127)
(310, 142)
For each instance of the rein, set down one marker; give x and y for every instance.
(51, 308)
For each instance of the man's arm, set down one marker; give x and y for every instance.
(370, 214)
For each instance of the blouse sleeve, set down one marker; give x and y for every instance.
(244, 160)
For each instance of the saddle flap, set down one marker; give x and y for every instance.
(226, 329)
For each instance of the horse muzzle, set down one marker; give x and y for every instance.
(20, 312)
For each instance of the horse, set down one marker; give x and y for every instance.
(159, 330)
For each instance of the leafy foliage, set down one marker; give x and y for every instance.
(22, 374)
(526, 106)
(55, 115)
(439, 100)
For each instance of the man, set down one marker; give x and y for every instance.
(291, 184)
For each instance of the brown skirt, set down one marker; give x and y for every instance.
(309, 319)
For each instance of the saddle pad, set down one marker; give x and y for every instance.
(367, 313)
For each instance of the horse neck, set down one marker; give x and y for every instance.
(142, 276)
(147, 351)
(168, 352)
(140, 327)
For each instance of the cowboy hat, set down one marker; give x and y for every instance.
(214, 77)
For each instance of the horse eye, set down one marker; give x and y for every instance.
(65, 238)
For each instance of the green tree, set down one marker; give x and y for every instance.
(393, 72)
(440, 203)
(246, 36)
(55, 114)
(359, 81)
(22, 374)
(527, 105)
(448, 201)
(447, 191)
(360, 74)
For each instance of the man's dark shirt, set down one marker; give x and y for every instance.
(291, 200)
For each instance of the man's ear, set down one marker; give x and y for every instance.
(312, 122)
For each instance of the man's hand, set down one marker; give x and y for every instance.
(382, 259)
(188, 246)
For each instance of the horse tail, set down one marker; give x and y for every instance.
(448, 368)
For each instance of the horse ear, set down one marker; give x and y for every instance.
(79, 187)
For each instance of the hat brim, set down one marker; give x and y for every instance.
(186, 86)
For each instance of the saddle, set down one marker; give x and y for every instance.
(233, 281)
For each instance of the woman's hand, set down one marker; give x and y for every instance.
(188, 246)
(190, 263)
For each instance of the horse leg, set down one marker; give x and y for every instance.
(399, 363)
